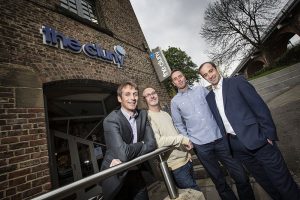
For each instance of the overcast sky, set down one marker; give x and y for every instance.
(174, 23)
(177, 23)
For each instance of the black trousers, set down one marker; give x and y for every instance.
(268, 167)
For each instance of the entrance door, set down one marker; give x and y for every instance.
(75, 114)
(77, 158)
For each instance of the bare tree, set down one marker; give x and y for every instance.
(234, 27)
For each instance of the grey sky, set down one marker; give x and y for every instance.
(174, 23)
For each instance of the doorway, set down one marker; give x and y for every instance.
(75, 110)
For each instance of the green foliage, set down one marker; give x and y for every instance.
(178, 59)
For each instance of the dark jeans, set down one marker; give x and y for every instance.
(267, 166)
(184, 177)
(210, 154)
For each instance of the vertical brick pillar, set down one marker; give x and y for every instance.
(24, 170)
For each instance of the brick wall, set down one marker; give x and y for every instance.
(22, 44)
(26, 64)
(23, 149)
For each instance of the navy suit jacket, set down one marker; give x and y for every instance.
(119, 137)
(245, 110)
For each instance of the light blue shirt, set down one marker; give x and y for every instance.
(132, 122)
(192, 116)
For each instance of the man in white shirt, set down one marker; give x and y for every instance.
(246, 122)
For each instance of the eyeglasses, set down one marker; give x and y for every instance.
(150, 94)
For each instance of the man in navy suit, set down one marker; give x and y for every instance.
(247, 124)
(128, 134)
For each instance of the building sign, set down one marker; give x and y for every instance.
(160, 63)
(53, 38)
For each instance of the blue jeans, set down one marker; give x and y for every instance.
(210, 154)
(184, 177)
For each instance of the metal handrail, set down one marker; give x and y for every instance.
(96, 178)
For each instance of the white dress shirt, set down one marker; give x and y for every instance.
(220, 104)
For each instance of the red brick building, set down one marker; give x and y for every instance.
(60, 64)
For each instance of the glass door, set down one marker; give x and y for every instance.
(77, 158)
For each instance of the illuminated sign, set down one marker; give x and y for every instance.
(160, 63)
(53, 38)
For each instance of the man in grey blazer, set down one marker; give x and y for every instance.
(128, 135)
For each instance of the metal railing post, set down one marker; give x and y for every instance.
(171, 187)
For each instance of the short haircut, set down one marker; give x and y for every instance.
(212, 64)
(173, 71)
(130, 83)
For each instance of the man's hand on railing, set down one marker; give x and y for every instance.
(189, 146)
(115, 162)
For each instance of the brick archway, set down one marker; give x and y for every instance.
(75, 110)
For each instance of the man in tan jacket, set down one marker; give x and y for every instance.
(179, 159)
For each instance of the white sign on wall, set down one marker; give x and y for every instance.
(160, 63)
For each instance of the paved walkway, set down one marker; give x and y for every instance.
(158, 191)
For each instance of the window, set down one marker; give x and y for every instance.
(83, 8)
